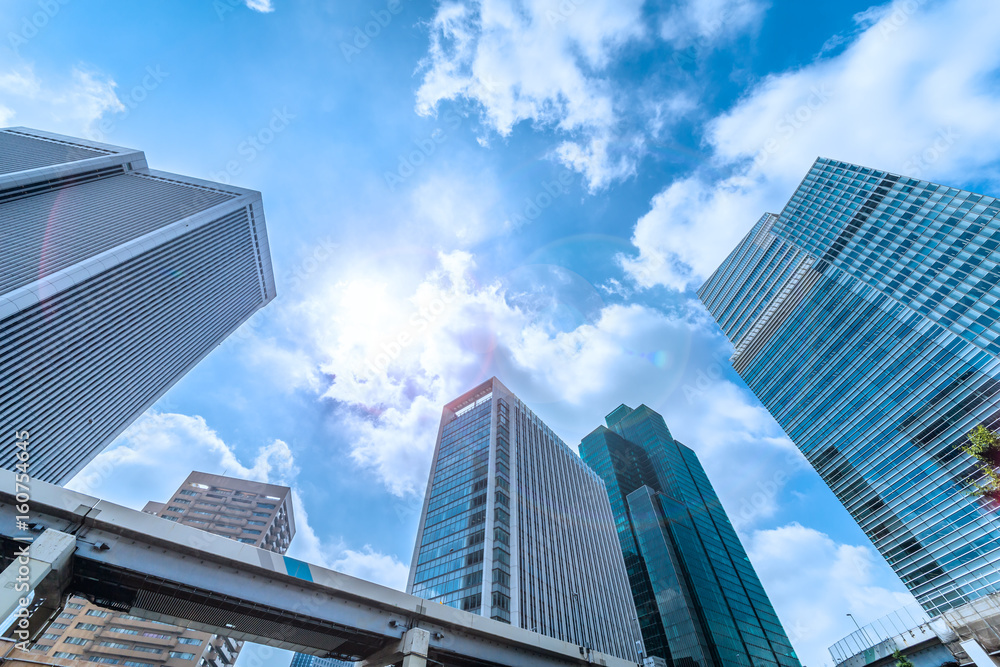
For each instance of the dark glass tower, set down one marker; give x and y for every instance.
(866, 318)
(698, 598)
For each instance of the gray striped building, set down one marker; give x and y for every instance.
(115, 280)
(517, 528)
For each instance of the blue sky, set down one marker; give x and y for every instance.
(526, 188)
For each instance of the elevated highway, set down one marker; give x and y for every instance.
(147, 566)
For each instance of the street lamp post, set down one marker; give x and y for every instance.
(867, 638)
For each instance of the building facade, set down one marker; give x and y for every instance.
(250, 512)
(115, 280)
(698, 598)
(517, 528)
(865, 317)
(303, 660)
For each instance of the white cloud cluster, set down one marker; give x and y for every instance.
(911, 94)
(706, 22)
(72, 107)
(547, 62)
(173, 445)
(400, 346)
(154, 456)
(539, 61)
(813, 581)
(371, 565)
(264, 6)
(432, 335)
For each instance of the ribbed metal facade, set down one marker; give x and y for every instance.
(20, 150)
(115, 280)
(517, 528)
(865, 318)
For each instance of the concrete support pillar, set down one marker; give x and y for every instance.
(415, 645)
(415, 660)
(48, 556)
(411, 649)
(44, 567)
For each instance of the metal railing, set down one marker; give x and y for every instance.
(909, 619)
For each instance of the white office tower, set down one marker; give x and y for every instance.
(114, 281)
(516, 527)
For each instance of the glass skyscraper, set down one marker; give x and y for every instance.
(303, 660)
(698, 598)
(517, 528)
(865, 318)
(115, 280)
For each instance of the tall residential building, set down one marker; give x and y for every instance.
(517, 528)
(698, 598)
(115, 280)
(865, 317)
(250, 512)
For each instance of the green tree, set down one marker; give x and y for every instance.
(984, 446)
(901, 660)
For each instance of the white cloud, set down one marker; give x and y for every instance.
(538, 61)
(154, 455)
(597, 159)
(373, 566)
(706, 22)
(173, 445)
(72, 107)
(814, 581)
(872, 15)
(910, 80)
(403, 344)
(264, 6)
(457, 207)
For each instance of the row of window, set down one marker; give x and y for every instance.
(115, 661)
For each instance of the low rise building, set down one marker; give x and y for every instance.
(249, 512)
